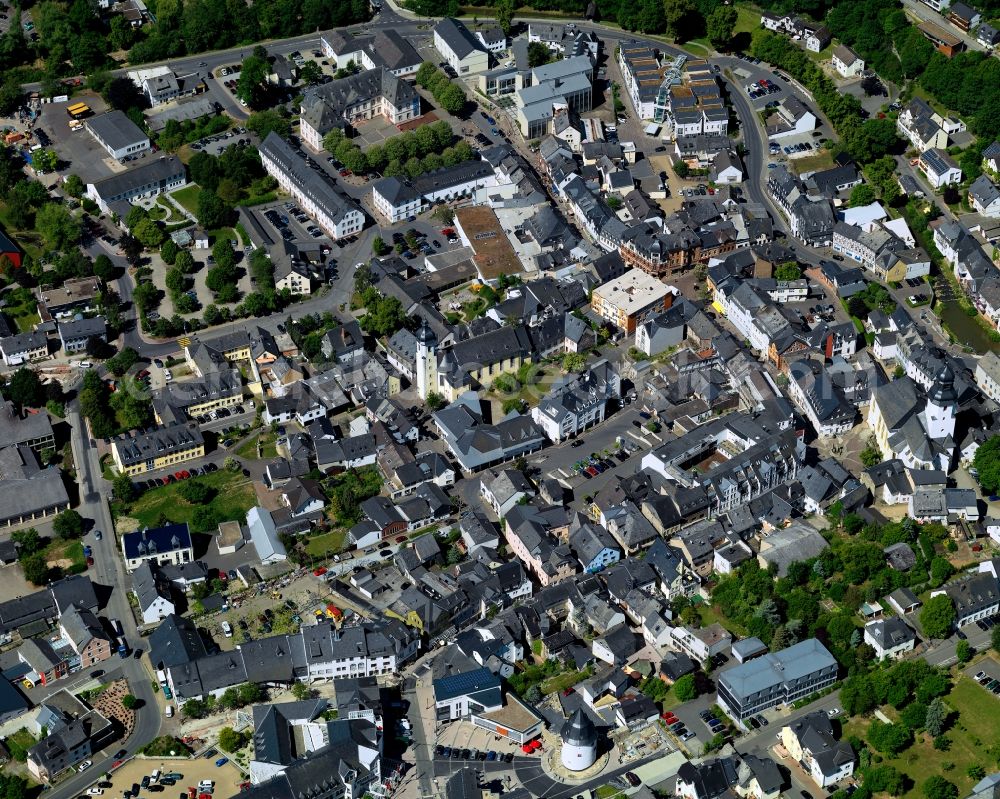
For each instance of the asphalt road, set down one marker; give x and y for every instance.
(108, 570)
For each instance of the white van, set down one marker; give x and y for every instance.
(227, 629)
(155, 776)
(169, 711)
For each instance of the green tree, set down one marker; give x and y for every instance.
(686, 689)
(253, 75)
(937, 787)
(149, 233)
(504, 12)
(73, 186)
(44, 160)
(963, 651)
(230, 740)
(538, 54)
(678, 17)
(123, 487)
(987, 463)
(27, 541)
(889, 738)
(937, 717)
(379, 247)
(168, 251)
(681, 169)
(184, 262)
(301, 691)
(212, 212)
(35, 569)
(995, 638)
(937, 616)
(25, 389)
(720, 26)
(58, 226)
(788, 271)
(68, 524)
(310, 73)
(264, 122)
(195, 492)
(104, 268)
(436, 402)
(129, 702)
(862, 194)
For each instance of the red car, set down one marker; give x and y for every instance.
(592, 471)
(185, 474)
(223, 576)
(179, 475)
(320, 571)
(669, 717)
(116, 764)
(400, 539)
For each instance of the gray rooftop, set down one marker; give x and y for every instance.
(316, 188)
(775, 668)
(116, 130)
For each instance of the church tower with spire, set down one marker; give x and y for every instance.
(942, 402)
(426, 360)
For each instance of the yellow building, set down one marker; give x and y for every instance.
(627, 301)
(167, 446)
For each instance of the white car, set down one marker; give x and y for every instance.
(84, 364)
(833, 712)
(85, 765)
(95, 791)
(167, 377)
(227, 629)
(169, 711)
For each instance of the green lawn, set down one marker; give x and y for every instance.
(233, 498)
(709, 615)
(974, 737)
(222, 233)
(812, 163)
(248, 449)
(65, 550)
(322, 546)
(188, 197)
(173, 215)
(563, 681)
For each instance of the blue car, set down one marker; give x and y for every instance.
(222, 761)
(491, 756)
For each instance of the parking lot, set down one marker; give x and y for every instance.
(227, 778)
(987, 674)
(285, 220)
(79, 149)
(214, 145)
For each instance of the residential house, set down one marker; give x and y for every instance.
(809, 741)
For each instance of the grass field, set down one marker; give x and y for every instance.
(188, 197)
(321, 546)
(59, 551)
(811, 163)
(974, 736)
(248, 449)
(563, 681)
(234, 496)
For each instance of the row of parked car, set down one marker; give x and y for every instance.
(992, 621)
(472, 754)
(229, 134)
(990, 684)
(762, 88)
(176, 477)
(676, 726)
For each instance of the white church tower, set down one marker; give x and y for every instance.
(579, 742)
(426, 363)
(939, 412)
